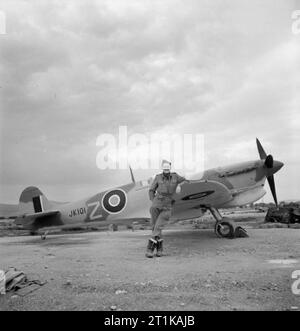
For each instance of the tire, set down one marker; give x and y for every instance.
(224, 229)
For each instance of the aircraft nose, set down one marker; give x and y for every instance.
(277, 165)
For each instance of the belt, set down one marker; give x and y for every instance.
(163, 197)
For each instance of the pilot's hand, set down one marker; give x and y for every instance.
(151, 195)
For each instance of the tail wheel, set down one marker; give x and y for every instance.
(44, 235)
(273, 220)
(224, 229)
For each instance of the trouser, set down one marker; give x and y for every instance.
(159, 215)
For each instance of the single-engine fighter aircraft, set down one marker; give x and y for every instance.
(223, 187)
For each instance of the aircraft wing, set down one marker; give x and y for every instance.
(202, 193)
(194, 196)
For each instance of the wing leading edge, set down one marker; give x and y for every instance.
(204, 193)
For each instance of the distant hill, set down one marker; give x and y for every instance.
(290, 201)
(7, 210)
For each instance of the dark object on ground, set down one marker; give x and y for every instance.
(16, 280)
(287, 215)
(240, 232)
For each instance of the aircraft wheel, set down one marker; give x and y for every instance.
(224, 229)
(44, 235)
(273, 220)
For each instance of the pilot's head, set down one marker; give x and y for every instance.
(166, 167)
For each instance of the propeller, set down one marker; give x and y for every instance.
(269, 164)
(261, 151)
(271, 182)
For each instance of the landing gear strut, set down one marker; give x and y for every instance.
(225, 228)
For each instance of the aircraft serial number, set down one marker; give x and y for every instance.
(78, 211)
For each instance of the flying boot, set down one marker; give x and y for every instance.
(159, 247)
(152, 243)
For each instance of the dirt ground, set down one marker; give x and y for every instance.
(108, 270)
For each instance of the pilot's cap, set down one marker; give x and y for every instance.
(166, 165)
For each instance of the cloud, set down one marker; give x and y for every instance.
(73, 70)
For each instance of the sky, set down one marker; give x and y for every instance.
(73, 70)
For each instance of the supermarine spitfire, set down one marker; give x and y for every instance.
(224, 187)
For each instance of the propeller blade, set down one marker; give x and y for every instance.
(269, 161)
(272, 187)
(261, 151)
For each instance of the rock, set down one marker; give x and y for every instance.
(120, 292)
(113, 307)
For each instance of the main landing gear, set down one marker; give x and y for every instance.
(226, 228)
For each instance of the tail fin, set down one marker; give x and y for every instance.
(32, 200)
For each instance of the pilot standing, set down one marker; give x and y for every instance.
(161, 194)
